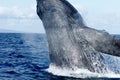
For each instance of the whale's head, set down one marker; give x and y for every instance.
(62, 9)
(47, 5)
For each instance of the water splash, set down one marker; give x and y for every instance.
(79, 73)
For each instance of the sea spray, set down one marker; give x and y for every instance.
(79, 73)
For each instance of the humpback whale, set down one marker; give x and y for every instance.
(71, 43)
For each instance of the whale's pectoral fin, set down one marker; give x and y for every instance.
(108, 44)
(111, 46)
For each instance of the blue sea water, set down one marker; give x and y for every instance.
(25, 56)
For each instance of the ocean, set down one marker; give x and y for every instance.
(25, 56)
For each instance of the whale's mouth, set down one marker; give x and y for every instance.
(79, 73)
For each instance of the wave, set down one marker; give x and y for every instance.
(79, 73)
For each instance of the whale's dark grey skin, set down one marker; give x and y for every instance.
(71, 43)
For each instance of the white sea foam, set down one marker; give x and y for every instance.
(79, 73)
